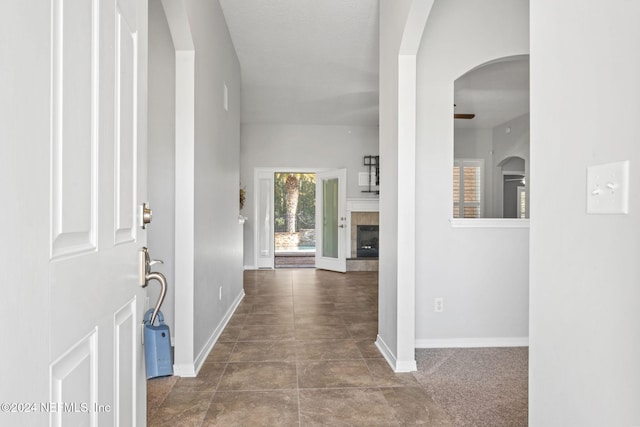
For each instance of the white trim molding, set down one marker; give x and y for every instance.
(363, 205)
(473, 342)
(386, 352)
(397, 365)
(489, 223)
(185, 57)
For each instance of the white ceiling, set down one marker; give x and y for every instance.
(496, 93)
(306, 61)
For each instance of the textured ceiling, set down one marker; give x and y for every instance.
(306, 61)
(495, 93)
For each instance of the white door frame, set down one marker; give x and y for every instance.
(264, 173)
(178, 21)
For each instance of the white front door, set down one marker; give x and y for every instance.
(331, 220)
(98, 182)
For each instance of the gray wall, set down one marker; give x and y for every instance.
(218, 238)
(482, 273)
(216, 168)
(298, 146)
(585, 274)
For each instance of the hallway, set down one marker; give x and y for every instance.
(299, 351)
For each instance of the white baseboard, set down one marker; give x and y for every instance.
(386, 352)
(191, 370)
(473, 342)
(250, 267)
(396, 365)
(406, 366)
(184, 370)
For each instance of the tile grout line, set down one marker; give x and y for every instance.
(295, 349)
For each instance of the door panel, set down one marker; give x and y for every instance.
(125, 326)
(74, 128)
(73, 384)
(97, 183)
(331, 220)
(126, 126)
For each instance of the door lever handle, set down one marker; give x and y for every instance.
(145, 266)
(163, 291)
(146, 276)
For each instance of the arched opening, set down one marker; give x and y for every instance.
(514, 188)
(491, 127)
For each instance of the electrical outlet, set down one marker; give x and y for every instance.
(220, 294)
(438, 305)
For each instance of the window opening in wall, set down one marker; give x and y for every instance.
(491, 122)
(294, 219)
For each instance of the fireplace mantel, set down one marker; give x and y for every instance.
(363, 205)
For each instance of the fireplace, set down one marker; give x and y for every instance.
(363, 222)
(367, 241)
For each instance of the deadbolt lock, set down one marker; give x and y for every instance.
(147, 215)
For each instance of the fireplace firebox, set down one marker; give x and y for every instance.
(367, 241)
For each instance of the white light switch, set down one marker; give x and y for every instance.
(608, 188)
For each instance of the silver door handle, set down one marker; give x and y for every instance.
(163, 291)
(145, 265)
(147, 276)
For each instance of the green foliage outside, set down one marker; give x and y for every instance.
(305, 215)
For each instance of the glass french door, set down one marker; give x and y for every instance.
(331, 220)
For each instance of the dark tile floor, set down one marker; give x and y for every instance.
(299, 351)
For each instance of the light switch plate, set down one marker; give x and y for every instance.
(608, 188)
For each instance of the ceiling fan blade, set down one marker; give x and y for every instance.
(463, 116)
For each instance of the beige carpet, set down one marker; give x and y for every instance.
(477, 386)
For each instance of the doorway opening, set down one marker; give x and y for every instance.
(294, 220)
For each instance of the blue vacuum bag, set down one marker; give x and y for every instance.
(157, 347)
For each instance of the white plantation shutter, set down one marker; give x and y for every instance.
(522, 202)
(467, 188)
